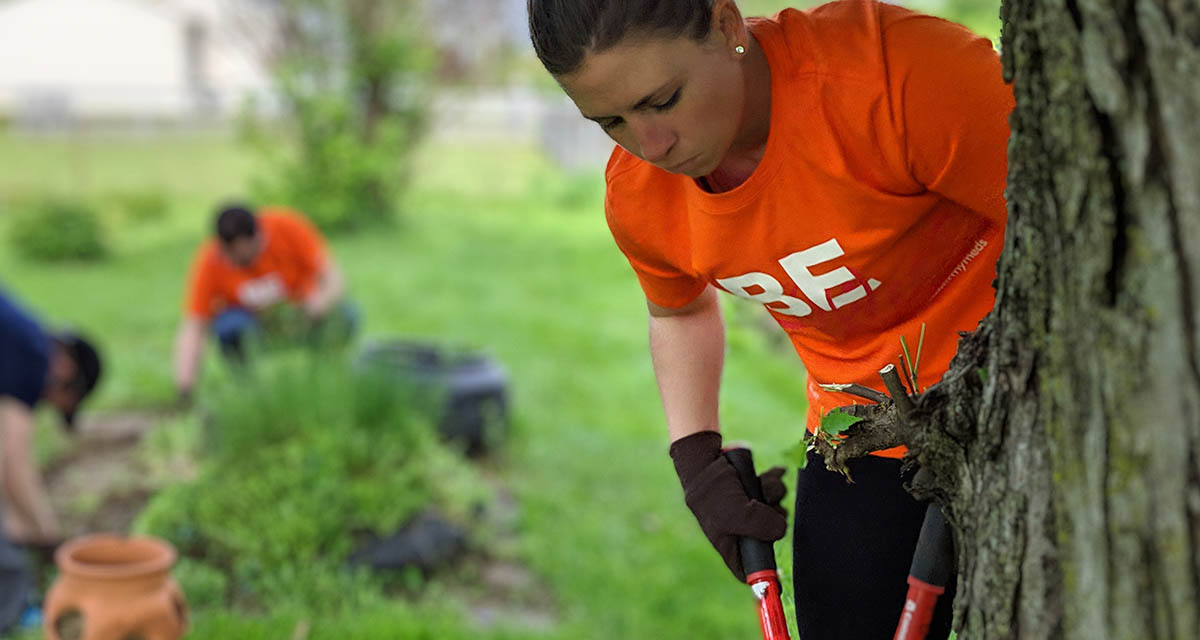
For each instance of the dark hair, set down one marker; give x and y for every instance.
(88, 367)
(235, 221)
(564, 31)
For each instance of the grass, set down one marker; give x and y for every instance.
(497, 251)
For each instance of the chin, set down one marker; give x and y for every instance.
(697, 168)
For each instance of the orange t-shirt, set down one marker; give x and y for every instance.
(877, 207)
(287, 267)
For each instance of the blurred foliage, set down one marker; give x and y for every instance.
(58, 229)
(592, 490)
(981, 16)
(303, 459)
(141, 205)
(353, 76)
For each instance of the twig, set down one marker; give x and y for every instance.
(907, 378)
(917, 363)
(908, 364)
(899, 394)
(858, 390)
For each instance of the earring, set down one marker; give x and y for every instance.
(740, 49)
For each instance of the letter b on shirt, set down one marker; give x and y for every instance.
(765, 289)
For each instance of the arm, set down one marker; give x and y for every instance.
(189, 347)
(330, 288)
(687, 346)
(22, 485)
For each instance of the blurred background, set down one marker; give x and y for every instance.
(463, 197)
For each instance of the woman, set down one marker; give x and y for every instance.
(842, 166)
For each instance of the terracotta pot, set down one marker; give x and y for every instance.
(113, 587)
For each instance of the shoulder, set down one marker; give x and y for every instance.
(916, 40)
(278, 217)
(25, 348)
(289, 223)
(857, 37)
(207, 255)
(840, 36)
(17, 323)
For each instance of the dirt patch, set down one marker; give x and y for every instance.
(102, 483)
(503, 590)
(99, 484)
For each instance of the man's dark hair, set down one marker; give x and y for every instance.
(564, 31)
(235, 221)
(88, 367)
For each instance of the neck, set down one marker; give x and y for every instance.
(751, 142)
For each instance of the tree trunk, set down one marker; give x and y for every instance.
(1065, 441)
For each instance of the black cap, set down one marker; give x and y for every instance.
(87, 368)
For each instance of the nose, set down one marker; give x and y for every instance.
(654, 139)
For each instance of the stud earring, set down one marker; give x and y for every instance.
(740, 49)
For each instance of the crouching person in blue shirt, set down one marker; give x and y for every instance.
(36, 366)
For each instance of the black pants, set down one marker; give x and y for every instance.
(853, 546)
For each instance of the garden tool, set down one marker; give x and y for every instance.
(932, 563)
(758, 557)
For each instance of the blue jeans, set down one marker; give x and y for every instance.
(235, 325)
(16, 583)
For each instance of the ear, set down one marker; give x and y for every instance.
(62, 366)
(729, 27)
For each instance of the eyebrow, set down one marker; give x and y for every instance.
(641, 104)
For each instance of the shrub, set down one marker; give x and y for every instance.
(145, 205)
(57, 230)
(353, 78)
(305, 457)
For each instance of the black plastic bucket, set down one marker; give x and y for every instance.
(467, 393)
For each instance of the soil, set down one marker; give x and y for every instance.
(101, 484)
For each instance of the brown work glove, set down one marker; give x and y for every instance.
(713, 492)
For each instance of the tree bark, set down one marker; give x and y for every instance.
(1065, 440)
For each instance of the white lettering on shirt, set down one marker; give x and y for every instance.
(261, 292)
(765, 289)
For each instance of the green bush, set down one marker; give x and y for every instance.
(354, 79)
(305, 457)
(203, 586)
(145, 205)
(56, 230)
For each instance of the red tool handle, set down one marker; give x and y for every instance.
(765, 585)
(932, 565)
(758, 556)
(918, 610)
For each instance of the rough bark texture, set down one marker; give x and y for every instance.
(1066, 439)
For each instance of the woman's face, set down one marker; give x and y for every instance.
(675, 103)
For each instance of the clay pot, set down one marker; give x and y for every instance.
(113, 587)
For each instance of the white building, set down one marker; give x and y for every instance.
(165, 60)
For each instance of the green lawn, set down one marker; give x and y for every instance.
(498, 251)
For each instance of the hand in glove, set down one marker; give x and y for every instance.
(713, 492)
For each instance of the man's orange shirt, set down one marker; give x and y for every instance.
(287, 268)
(877, 207)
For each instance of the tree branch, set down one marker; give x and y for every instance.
(866, 393)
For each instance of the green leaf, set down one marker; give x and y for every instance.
(797, 454)
(983, 374)
(837, 421)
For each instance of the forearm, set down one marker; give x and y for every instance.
(189, 347)
(22, 484)
(331, 286)
(688, 350)
(25, 492)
